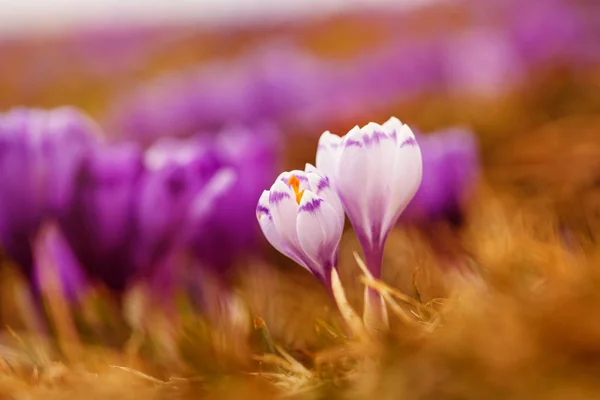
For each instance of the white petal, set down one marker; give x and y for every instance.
(406, 176)
(404, 136)
(353, 134)
(321, 186)
(301, 175)
(392, 124)
(319, 231)
(263, 214)
(281, 176)
(381, 149)
(371, 128)
(328, 153)
(310, 168)
(284, 209)
(382, 146)
(352, 176)
(262, 208)
(296, 172)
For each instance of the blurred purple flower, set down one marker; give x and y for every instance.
(450, 171)
(545, 30)
(176, 172)
(197, 197)
(481, 61)
(100, 224)
(268, 85)
(230, 228)
(124, 214)
(135, 211)
(40, 155)
(399, 70)
(109, 50)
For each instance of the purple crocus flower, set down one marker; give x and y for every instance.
(398, 70)
(271, 85)
(40, 156)
(100, 223)
(230, 229)
(135, 211)
(198, 196)
(545, 30)
(481, 61)
(132, 209)
(126, 214)
(450, 170)
(177, 171)
(106, 51)
(183, 103)
(542, 31)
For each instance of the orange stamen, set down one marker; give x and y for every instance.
(294, 182)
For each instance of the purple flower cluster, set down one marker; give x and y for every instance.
(287, 86)
(251, 90)
(540, 31)
(119, 211)
(287, 82)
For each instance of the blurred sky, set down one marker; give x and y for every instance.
(19, 17)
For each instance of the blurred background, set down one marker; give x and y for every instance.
(437, 62)
(511, 72)
(504, 94)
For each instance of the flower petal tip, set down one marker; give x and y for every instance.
(310, 203)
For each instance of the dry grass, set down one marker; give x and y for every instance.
(520, 324)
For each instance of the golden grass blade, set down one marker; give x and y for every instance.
(139, 374)
(385, 291)
(295, 364)
(354, 322)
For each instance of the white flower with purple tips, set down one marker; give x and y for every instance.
(376, 170)
(303, 218)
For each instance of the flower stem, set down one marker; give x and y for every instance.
(375, 314)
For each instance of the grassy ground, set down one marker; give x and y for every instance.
(514, 318)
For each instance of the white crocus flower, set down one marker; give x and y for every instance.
(375, 170)
(303, 218)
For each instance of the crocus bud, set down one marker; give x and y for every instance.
(376, 170)
(302, 217)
